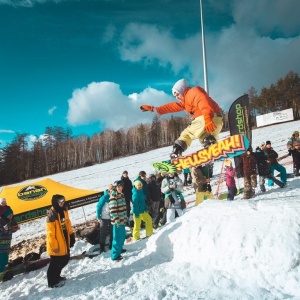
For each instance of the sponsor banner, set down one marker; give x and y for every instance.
(226, 148)
(275, 117)
(240, 123)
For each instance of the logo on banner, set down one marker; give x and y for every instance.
(32, 192)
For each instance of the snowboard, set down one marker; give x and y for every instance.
(226, 148)
(224, 195)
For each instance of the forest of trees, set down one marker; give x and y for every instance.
(59, 151)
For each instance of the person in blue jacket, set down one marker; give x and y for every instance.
(103, 217)
(139, 211)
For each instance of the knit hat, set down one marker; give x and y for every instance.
(268, 142)
(138, 184)
(8, 212)
(295, 132)
(227, 162)
(142, 173)
(180, 86)
(2, 200)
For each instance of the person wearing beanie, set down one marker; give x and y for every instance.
(59, 239)
(207, 118)
(155, 198)
(5, 233)
(139, 211)
(272, 156)
(143, 179)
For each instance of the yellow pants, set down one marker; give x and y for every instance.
(137, 225)
(201, 196)
(196, 130)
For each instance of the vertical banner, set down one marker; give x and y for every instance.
(240, 123)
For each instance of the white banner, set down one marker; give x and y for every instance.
(275, 117)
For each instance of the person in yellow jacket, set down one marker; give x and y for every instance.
(59, 239)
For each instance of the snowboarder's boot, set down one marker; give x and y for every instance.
(209, 140)
(177, 151)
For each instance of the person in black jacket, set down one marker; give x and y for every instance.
(127, 191)
(154, 196)
(264, 168)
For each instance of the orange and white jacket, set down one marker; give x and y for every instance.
(55, 240)
(196, 102)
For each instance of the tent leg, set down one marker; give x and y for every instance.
(84, 216)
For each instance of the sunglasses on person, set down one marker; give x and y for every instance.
(61, 201)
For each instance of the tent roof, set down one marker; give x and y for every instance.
(34, 198)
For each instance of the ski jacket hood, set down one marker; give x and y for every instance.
(180, 86)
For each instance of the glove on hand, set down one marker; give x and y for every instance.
(209, 126)
(72, 240)
(147, 108)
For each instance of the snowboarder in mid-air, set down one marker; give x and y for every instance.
(207, 116)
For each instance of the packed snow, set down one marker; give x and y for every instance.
(241, 249)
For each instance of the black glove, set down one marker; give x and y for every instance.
(72, 240)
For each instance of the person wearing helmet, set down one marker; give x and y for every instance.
(293, 146)
(118, 214)
(230, 173)
(207, 118)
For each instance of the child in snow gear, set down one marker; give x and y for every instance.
(103, 217)
(230, 173)
(272, 158)
(118, 214)
(139, 211)
(59, 239)
(207, 116)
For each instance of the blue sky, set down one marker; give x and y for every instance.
(89, 65)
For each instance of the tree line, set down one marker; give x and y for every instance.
(60, 151)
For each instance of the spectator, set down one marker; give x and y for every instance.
(59, 239)
(155, 197)
(272, 159)
(143, 179)
(139, 211)
(248, 165)
(264, 168)
(186, 175)
(230, 174)
(118, 214)
(201, 183)
(103, 217)
(6, 215)
(174, 201)
(293, 146)
(127, 191)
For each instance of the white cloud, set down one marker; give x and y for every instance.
(27, 3)
(6, 131)
(105, 103)
(51, 110)
(237, 57)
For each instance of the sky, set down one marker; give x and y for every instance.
(88, 65)
(241, 249)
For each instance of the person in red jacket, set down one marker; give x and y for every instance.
(207, 116)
